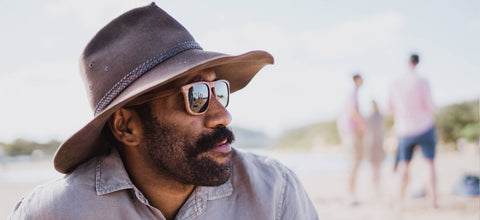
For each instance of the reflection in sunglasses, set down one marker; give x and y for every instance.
(197, 95)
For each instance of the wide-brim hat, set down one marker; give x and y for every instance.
(135, 53)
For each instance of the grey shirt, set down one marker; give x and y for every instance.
(259, 188)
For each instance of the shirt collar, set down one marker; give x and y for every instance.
(110, 174)
(196, 204)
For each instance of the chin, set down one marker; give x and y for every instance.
(216, 182)
(213, 175)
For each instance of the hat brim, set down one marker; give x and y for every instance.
(238, 70)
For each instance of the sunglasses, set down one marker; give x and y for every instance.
(197, 95)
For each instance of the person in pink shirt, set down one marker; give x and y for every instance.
(351, 126)
(412, 107)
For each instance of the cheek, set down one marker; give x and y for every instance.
(172, 112)
(191, 126)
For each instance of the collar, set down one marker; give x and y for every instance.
(111, 176)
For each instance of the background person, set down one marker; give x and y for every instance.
(412, 107)
(374, 145)
(351, 127)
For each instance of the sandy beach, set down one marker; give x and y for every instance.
(329, 192)
(327, 189)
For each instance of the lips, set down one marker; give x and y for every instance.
(223, 147)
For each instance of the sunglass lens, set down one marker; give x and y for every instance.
(198, 98)
(222, 92)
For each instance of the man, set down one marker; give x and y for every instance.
(413, 111)
(351, 126)
(158, 146)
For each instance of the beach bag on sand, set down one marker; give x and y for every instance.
(468, 185)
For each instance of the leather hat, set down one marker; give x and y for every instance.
(137, 52)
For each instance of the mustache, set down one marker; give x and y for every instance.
(207, 142)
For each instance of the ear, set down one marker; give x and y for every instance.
(126, 126)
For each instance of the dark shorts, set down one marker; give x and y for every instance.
(426, 141)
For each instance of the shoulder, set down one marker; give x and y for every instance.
(51, 200)
(257, 165)
(269, 180)
(421, 84)
(419, 78)
(261, 173)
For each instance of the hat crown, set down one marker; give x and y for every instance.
(124, 44)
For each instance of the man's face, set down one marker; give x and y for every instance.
(190, 149)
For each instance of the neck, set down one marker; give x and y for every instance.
(162, 191)
(411, 68)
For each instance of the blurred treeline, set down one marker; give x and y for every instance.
(452, 122)
(458, 121)
(27, 147)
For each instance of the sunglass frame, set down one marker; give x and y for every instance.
(211, 89)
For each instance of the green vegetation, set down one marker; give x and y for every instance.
(452, 122)
(458, 121)
(26, 147)
(306, 137)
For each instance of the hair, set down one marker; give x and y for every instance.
(144, 111)
(414, 59)
(356, 76)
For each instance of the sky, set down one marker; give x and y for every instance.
(317, 45)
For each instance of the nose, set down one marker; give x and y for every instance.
(217, 115)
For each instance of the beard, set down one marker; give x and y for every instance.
(183, 157)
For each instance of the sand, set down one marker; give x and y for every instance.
(328, 190)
